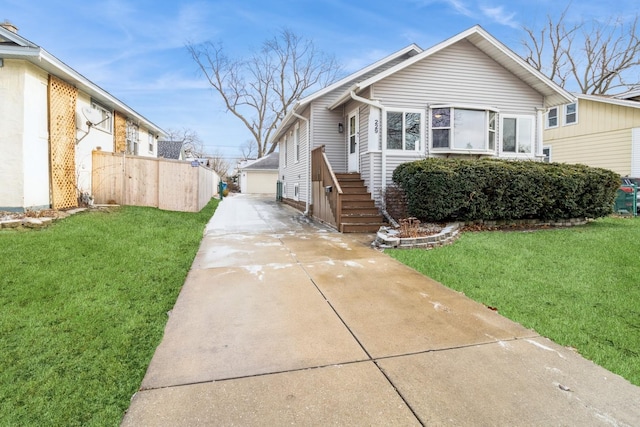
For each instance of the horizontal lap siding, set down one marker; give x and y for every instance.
(460, 74)
(609, 150)
(601, 138)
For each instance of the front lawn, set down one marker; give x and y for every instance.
(579, 287)
(84, 304)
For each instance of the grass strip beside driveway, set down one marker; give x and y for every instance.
(579, 287)
(84, 305)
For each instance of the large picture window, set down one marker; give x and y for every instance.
(404, 130)
(517, 134)
(460, 129)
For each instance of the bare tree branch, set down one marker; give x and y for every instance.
(191, 143)
(260, 89)
(595, 57)
(249, 149)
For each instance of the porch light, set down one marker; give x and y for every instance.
(340, 128)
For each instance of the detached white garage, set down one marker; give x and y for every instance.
(260, 176)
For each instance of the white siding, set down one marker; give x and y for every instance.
(460, 74)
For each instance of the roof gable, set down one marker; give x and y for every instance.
(269, 162)
(554, 94)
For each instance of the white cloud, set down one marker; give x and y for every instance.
(499, 15)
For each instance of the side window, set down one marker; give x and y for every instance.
(105, 114)
(570, 114)
(517, 135)
(552, 117)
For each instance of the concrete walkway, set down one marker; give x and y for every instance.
(285, 322)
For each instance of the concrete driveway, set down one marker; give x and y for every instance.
(282, 321)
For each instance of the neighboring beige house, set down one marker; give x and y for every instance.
(469, 96)
(259, 176)
(51, 119)
(599, 131)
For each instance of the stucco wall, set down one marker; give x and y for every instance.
(24, 169)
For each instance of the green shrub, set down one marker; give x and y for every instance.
(467, 190)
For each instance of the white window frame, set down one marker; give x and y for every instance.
(547, 159)
(547, 117)
(133, 138)
(487, 130)
(296, 192)
(566, 114)
(404, 111)
(532, 132)
(151, 141)
(106, 122)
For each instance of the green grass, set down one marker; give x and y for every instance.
(579, 287)
(84, 304)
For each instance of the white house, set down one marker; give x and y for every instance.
(468, 96)
(51, 119)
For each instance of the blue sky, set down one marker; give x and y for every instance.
(135, 49)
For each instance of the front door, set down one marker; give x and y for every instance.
(353, 143)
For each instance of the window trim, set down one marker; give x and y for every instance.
(515, 153)
(103, 125)
(421, 139)
(550, 148)
(151, 142)
(557, 117)
(565, 114)
(451, 149)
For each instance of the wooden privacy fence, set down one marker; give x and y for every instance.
(140, 181)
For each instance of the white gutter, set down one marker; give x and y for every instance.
(306, 207)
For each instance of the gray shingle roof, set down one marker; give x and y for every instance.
(269, 162)
(169, 149)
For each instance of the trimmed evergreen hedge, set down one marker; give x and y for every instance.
(441, 189)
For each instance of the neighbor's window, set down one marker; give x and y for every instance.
(517, 134)
(463, 129)
(570, 114)
(151, 140)
(133, 138)
(404, 130)
(552, 117)
(105, 120)
(285, 151)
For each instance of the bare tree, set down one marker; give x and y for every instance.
(249, 149)
(260, 90)
(219, 164)
(596, 56)
(191, 143)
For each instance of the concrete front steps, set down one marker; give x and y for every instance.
(359, 212)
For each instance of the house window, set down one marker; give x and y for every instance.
(552, 117)
(296, 191)
(151, 140)
(105, 117)
(570, 114)
(546, 151)
(285, 151)
(517, 134)
(404, 130)
(133, 138)
(296, 142)
(460, 129)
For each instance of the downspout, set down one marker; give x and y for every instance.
(539, 131)
(306, 207)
